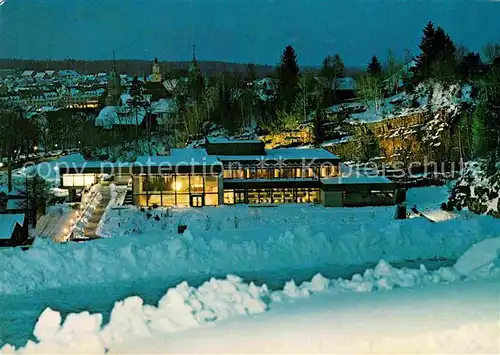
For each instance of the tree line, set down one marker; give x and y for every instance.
(129, 66)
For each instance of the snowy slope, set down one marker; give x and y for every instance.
(477, 190)
(427, 96)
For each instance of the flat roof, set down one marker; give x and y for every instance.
(183, 156)
(235, 141)
(357, 179)
(285, 154)
(187, 157)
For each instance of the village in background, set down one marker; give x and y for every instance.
(127, 177)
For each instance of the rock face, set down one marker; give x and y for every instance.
(477, 190)
(423, 125)
(432, 136)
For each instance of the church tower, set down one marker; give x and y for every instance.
(156, 74)
(114, 86)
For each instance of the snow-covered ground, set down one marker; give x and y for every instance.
(427, 95)
(422, 313)
(238, 239)
(144, 256)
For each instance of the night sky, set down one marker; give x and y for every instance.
(236, 30)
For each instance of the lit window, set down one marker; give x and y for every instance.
(228, 197)
(211, 184)
(211, 199)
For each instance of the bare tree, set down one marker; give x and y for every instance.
(11, 127)
(332, 69)
(370, 89)
(491, 51)
(393, 73)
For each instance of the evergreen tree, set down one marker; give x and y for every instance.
(437, 57)
(319, 134)
(136, 100)
(288, 77)
(374, 68)
(469, 64)
(443, 64)
(136, 92)
(423, 61)
(36, 191)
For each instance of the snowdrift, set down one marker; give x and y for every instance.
(236, 240)
(185, 307)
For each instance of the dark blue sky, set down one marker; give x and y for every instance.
(236, 30)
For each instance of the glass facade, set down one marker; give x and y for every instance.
(176, 190)
(78, 180)
(321, 171)
(272, 196)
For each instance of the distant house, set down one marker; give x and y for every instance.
(4, 73)
(41, 75)
(13, 230)
(346, 88)
(112, 117)
(68, 73)
(28, 73)
(163, 110)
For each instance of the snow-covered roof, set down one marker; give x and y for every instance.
(40, 75)
(162, 106)
(28, 73)
(8, 223)
(113, 115)
(357, 179)
(184, 156)
(283, 154)
(124, 98)
(68, 73)
(346, 84)
(16, 204)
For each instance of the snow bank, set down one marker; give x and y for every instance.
(117, 198)
(483, 259)
(186, 307)
(237, 240)
(53, 224)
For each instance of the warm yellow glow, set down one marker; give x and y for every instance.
(178, 186)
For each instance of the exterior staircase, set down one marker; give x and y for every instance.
(128, 198)
(95, 218)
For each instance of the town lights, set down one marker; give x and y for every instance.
(35, 148)
(178, 186)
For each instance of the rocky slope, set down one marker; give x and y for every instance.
(478, 190)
